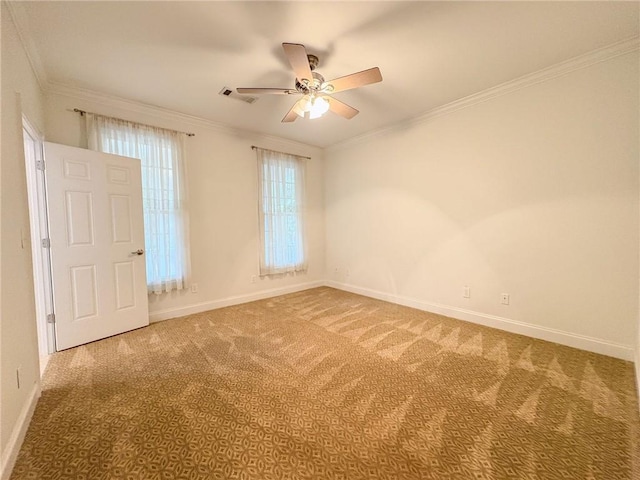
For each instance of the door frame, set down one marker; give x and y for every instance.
(40, 253)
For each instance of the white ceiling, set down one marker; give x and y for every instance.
(178, 55)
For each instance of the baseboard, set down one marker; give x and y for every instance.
(637, 365)
(535, 331)
(229, 301)
(44, 361)
(10, 453)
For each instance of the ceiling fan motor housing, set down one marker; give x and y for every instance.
(317, 80)
(314, 86)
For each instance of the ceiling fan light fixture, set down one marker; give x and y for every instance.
(311, 106)
(319, 106)
(302, 106)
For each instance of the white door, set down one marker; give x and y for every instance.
(97, 242)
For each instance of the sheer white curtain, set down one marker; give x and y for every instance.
(161, 153)
(281, 179)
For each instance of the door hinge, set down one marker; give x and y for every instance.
(51, 318)
(40, 165)
(46, 243)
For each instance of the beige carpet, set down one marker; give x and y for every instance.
(324, 384)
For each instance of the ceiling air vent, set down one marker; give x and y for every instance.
(228, 92)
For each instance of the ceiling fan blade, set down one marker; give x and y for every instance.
(291, 115)
(271, 91)
(297, 56)
(341, 108)
(354, 80)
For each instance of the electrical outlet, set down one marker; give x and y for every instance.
(194, 288)
(254, 278)
(504, 298)
(467, 291)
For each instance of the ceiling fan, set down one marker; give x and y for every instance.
(317, 99)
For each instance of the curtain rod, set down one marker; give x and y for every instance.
(253, 147)
(83, 112)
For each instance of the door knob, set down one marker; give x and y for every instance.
(138, 252)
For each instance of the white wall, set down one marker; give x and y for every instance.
(18, 338)
(533, 193)
(222, 181)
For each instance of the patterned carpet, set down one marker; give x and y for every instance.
(325, 384)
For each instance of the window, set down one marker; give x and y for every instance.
(281, 209)
(161, 153)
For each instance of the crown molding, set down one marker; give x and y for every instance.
(133, 106)
(19, 19)
(560, 69)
